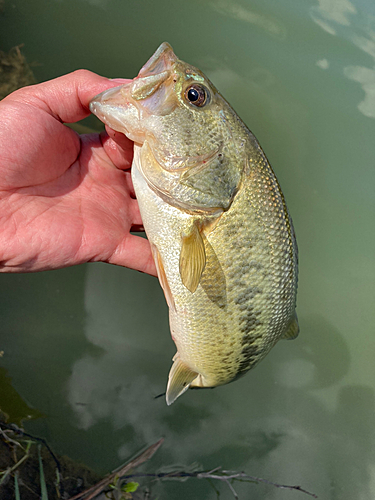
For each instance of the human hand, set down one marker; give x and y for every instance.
(65, 199)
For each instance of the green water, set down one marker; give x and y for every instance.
(90, 347)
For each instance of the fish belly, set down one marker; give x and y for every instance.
(246, 297)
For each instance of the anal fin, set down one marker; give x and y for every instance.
(293, 330)
(179, 380)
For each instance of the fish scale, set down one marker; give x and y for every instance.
(221, 235)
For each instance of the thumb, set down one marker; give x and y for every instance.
(66, 98)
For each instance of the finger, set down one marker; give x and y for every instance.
(67, 98)
(134, 252)
(120, 139)
(120, 153)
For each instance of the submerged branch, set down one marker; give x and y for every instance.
(95, 490)
(226, 476)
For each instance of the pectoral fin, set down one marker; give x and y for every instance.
(192, 259)
(179, 380)
(293, 330)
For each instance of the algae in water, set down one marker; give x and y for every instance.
(15, 72)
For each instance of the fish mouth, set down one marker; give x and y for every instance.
(109, 106)
(114, 108)
(123, 108)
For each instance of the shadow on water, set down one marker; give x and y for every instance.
(320, 358)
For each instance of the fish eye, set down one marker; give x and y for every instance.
(197, 95)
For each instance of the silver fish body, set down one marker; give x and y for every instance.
(222, 238)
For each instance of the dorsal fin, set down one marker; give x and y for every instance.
(179, 380)
(192, 259)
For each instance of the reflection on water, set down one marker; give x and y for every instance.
(90, 346)
(342, 18)
(329, 12)
(323, 63)
(244, 13)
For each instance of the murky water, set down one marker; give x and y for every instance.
(89, 347)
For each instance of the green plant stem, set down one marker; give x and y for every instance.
(43, 487)
(16, 487)
(15, 466)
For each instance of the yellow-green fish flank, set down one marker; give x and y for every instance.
(221, 235)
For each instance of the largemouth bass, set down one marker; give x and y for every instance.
(220, 232)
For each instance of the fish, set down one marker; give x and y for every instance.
(213, 211)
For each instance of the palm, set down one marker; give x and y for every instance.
(64, 199)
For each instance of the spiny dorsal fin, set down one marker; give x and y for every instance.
(293, 330)
(192, 259)
(179, 380)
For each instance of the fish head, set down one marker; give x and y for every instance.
(165, 88)
(186, 127)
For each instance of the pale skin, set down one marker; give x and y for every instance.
(65, 199)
